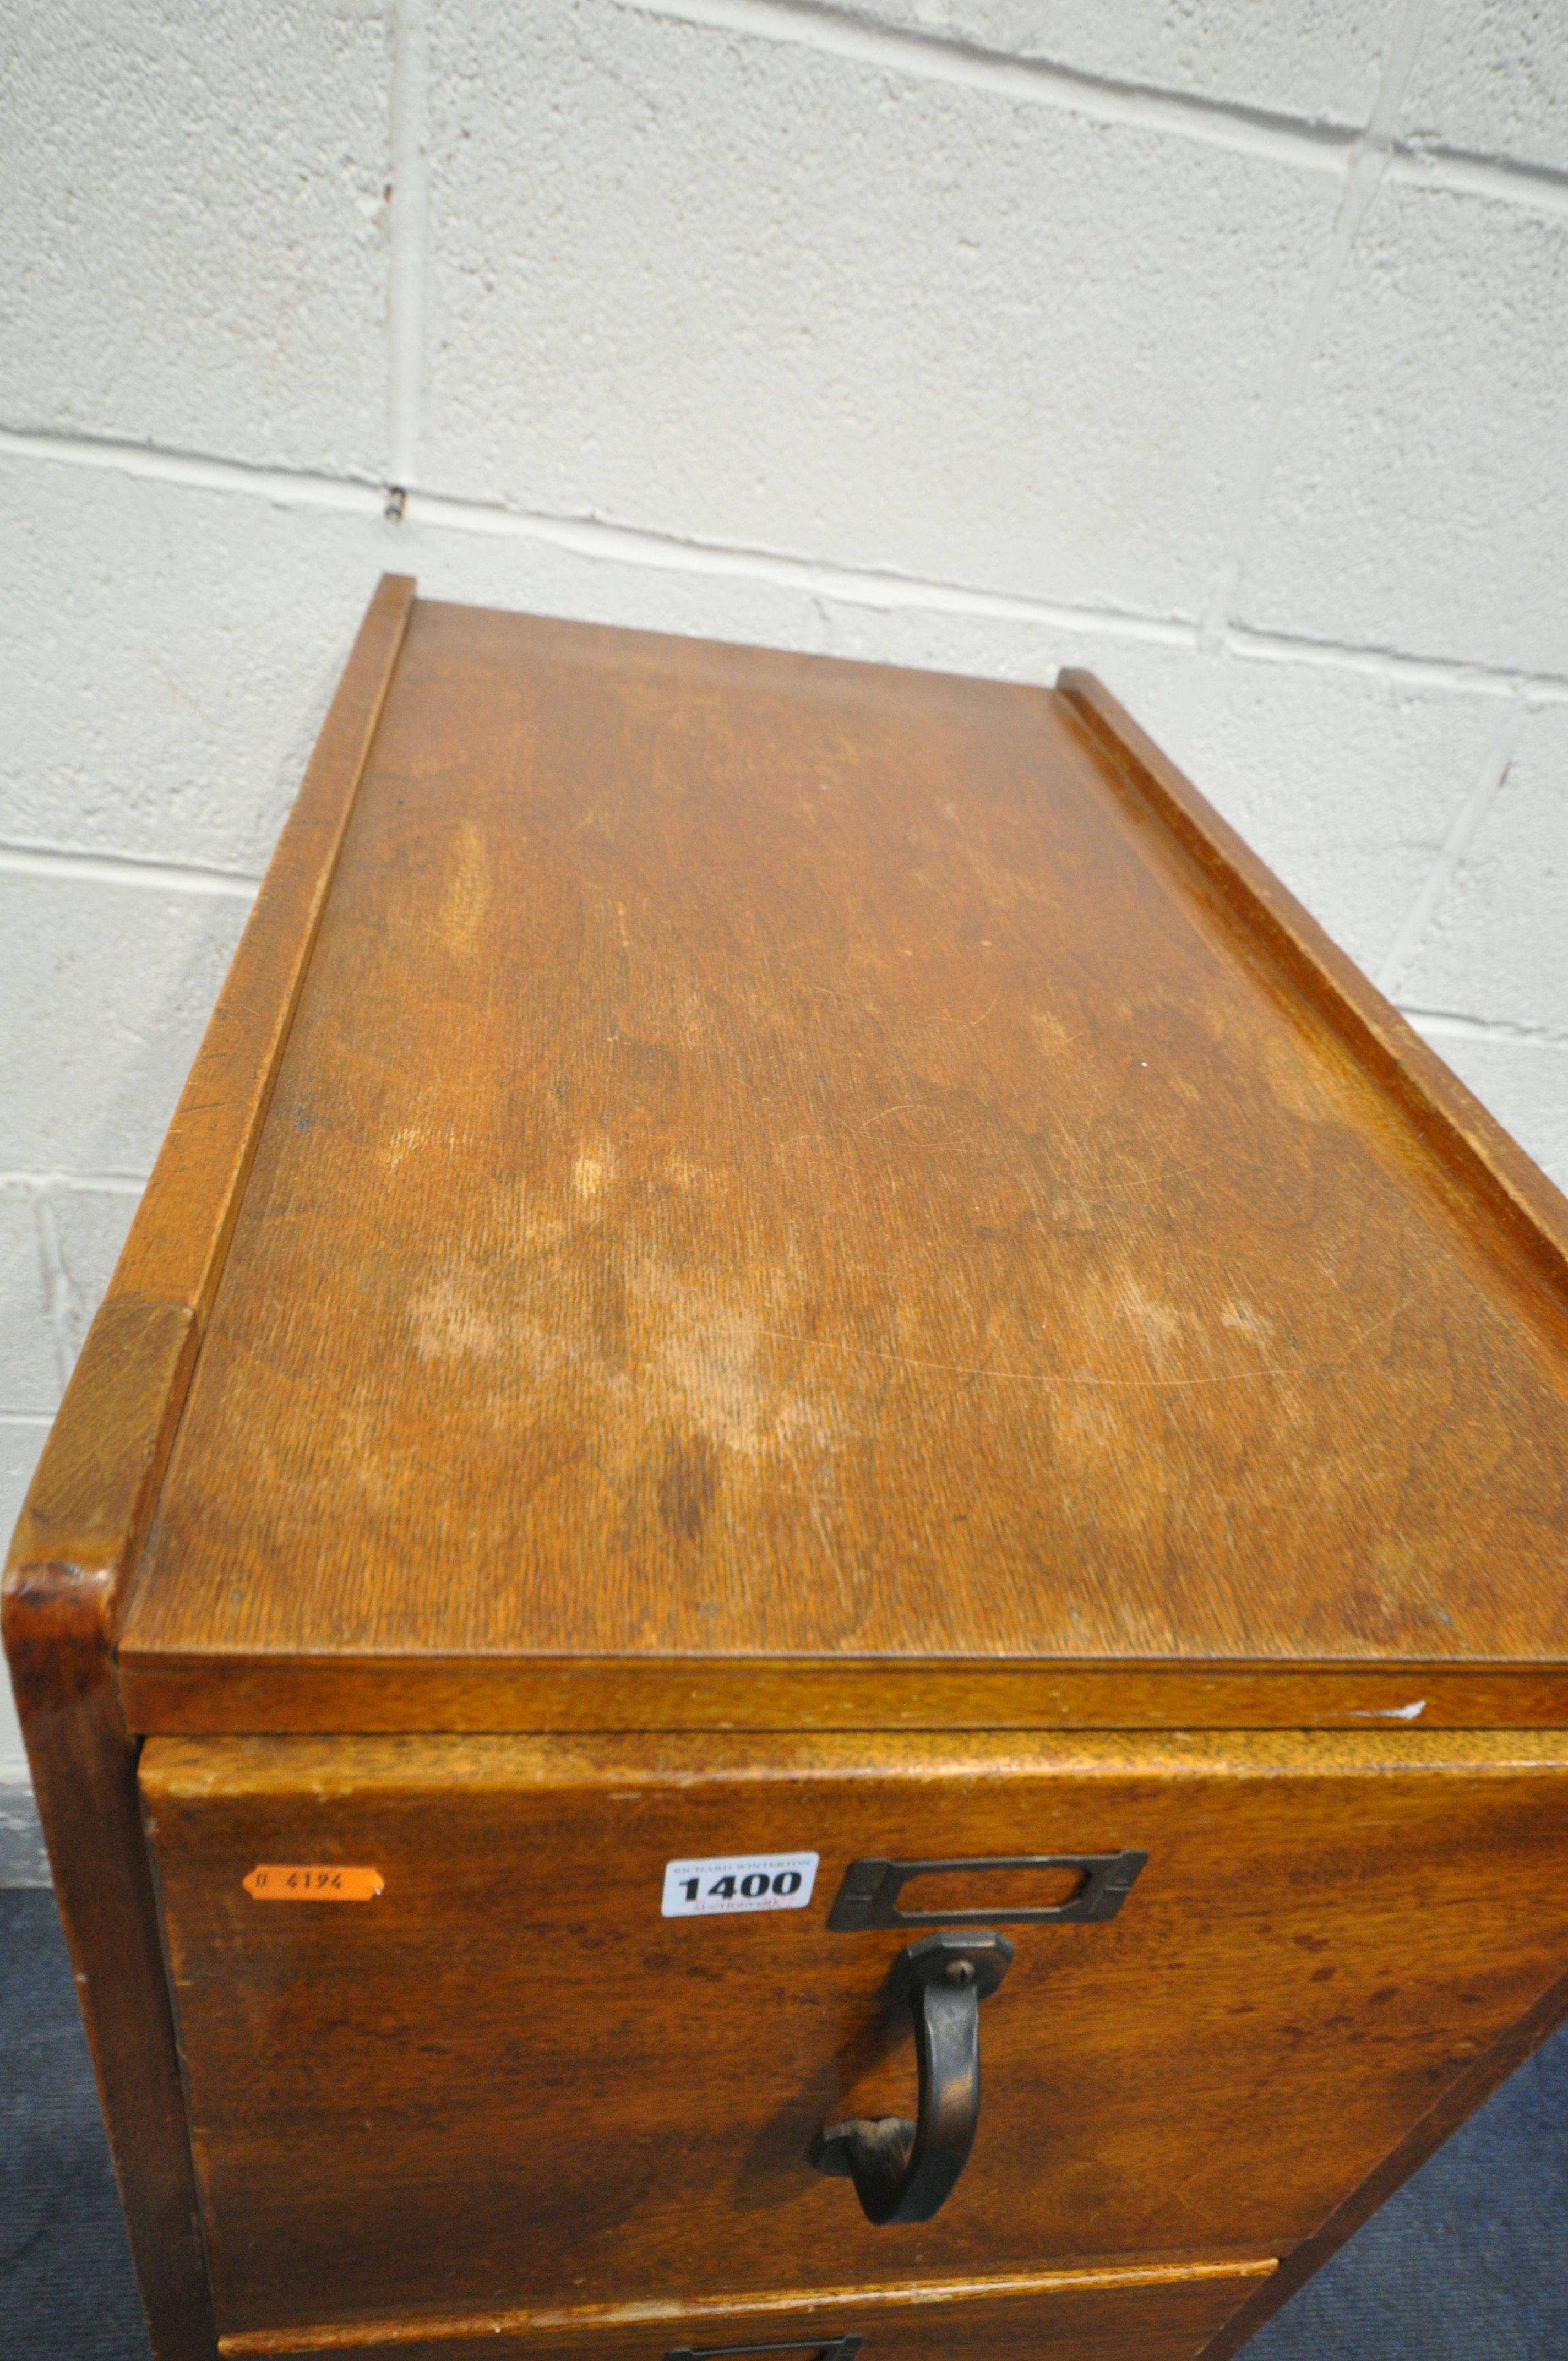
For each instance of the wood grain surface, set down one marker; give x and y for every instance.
(508, 2081)
(75, 1548)
(381, 1692)
(729, 1188)
(1483, 1161)
(1111, 2315)
(780, 1160)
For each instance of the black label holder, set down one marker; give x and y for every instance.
(869, 1895)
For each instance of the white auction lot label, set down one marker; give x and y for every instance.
(749, 1881)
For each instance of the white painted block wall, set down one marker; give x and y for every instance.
(1220, 348)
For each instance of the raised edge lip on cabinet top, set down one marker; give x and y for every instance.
(803, 1191)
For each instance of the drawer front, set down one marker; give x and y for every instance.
(1081, 2316)
(503, 2079)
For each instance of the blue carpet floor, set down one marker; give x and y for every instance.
(1468, 2263)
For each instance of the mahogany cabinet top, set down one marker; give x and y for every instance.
(784, 1164)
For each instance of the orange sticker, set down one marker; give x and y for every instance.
(313, 1881)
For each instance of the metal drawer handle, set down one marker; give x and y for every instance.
(904, 2171)
(829, 2348)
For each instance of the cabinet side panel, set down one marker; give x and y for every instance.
(1455, 2107)
(98, 1469)
(81, 1526)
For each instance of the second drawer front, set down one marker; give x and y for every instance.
(1082, 2316)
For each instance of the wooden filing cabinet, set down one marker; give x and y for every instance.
(805, 1591)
